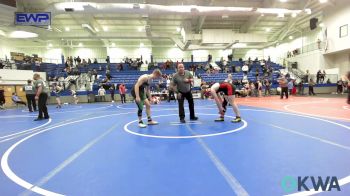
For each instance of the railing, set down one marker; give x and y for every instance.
(308, 48)
(333, 78)
(299, 74)
(312, 47)
(296, 72)
(156, 59)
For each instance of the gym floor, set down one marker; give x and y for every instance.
(98, 149)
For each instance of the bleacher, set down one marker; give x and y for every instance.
(129, 76)
(219, 77)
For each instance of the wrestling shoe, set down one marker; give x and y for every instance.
(236, 120)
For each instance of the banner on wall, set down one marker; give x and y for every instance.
(33, 19)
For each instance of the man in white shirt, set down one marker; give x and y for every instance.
(245, 69)
(102, 93)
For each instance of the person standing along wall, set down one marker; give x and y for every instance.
(111, 90)
(290, 87)
(311, 87)
(122, 91)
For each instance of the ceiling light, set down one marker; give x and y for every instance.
(142, 45)
(75, 6)
(290, 37)
(97, 30)
(113, 44)
(67, 29)
(276, 11)
(268, 29)
(308, 11)
(178, 29)
(323, 1)
(22, 34)
(139, 29)
(80, 44)
(321, 25)
(49, 45)
(294, 14)
(204, 9)
(105, 28)
(175, 45)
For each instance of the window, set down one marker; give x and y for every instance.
(343, 31)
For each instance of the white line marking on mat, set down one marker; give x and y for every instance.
(230, 179)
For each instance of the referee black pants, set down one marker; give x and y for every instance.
(42, 106)
(31, 102)
(189, 98)
(284, 90)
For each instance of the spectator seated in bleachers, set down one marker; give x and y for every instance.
(94, 73)
(37, 65)
(120, 67)
(108, 74)
(134, 65)
(68, 70)
(75, 71)
(245, 69)
(78, 60)
(84, 63)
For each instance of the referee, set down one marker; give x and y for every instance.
(182, 80)
(41, 97)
